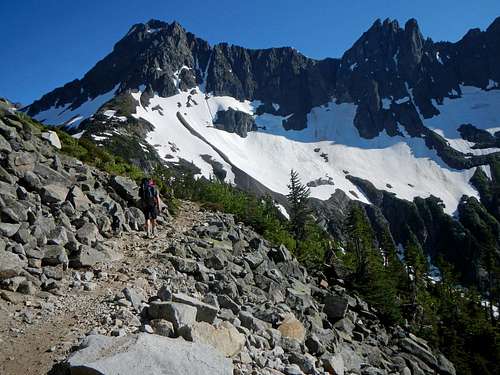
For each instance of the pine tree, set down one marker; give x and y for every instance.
(298, 198)
(416, 264)
(372, 277)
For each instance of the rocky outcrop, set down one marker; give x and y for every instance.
(235, 122)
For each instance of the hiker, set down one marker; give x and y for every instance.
(330, 256)
(150, 202)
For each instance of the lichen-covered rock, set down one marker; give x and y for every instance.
(223, 337)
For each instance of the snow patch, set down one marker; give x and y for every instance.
(78, 135)
(438, 57)
(386, 103)
(491, 85)
(487, 170)
(283, 210)
(476, 107)
(64, 115)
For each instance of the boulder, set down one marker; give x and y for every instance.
(8, 229)
(252, 323)
(445, 366)
(335, 306)
(125, 188)
(146, 354)
(15, 212)
(4, 145)
(162, 327)
(419, 351)
(254, 260)
(178, 314)
(334, 364)
(10, 265)
(58, 236)
(225, 337)
(54, 255)
(135, 297)
(205, 312)
(280, 254)
(183, 265)
(52, 138)
(88, 256)
(20, 162)
(87, 234)
(78, 199)
(227, 303)
(53, 194)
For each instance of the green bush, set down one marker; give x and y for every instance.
(85, 150)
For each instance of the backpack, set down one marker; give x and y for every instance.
(148, 194)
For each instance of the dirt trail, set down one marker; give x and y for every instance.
(32, 338)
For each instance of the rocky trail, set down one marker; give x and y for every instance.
(36, 333)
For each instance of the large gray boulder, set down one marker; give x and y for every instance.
(88, 234)
(8, 229)
(419, 351)
(146, 354)
(78, 199)
(4, 145)
(53, 193)
(224, 337)
(335, 306)
(125, 188)
(10, 265)
(54, 255)
(178, 314)
(90, 256)
(205, 312)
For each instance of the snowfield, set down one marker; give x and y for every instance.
(330, 146)
(476, 107)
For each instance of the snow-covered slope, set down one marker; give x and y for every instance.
(65, 115)
(475, 106)
(328, 149)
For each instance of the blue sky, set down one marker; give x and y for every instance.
(46, 43)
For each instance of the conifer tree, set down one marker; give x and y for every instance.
(297, 197)
(372, 278)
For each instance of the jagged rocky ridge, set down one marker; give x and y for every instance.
(241, 304)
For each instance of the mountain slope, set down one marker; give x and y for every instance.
(397, 114)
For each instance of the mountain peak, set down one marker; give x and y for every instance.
(412, 25)
(156, 24)
(494, 26)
